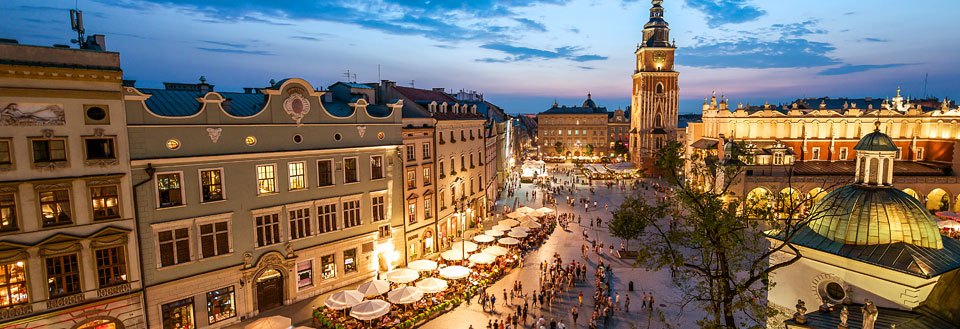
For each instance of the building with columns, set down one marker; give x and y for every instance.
(655, 100)
(578, 132)
(68, 236)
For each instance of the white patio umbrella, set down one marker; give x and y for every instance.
(948, 223)
(508, 223)
(501, 228)
(525, 209)
(402, 275)
(483, 238)
(270, 322)
(464, 245)
(454, 272)
(453, 255)
(545, 210)
(344, 299)
(520, 229)
(432, 285)
(482, 258)
(516, 234)
(530, 224)
(494, 233)
(422, 265)
(370, 309)
(405, 295)
(508, 241)
(535, 213)
(495, 250)
(374, 288)
(528, 218)
(515, 215)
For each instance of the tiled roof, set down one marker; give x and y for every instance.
(338, 109)
(378, 111)
(356, 85)
(576, 110)
(182, 103)
(419, 95)
(243, 104)
(414, 112)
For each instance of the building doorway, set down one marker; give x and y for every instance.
(269, 290)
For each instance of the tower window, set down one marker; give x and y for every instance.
(659, 88)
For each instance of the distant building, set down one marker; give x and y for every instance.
(618, 128)
(578, 132)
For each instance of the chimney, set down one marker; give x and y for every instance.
(99, 42)
(438, 90)
(247, 90)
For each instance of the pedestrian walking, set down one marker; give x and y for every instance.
(626, 304)
(643, 303)
(651, 301)
(575, 313)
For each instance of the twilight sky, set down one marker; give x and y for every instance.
(523, 53)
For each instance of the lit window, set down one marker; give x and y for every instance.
(8, 213)
(250, 140)
(63, 275)
(13, 284)
(328, 267)
(377, 208)
(411, 179)
(55, 207)
(169, 192)
(426, 176)
(350, 260)
(178, 314)
(427, 209)
(111, 266)
(266, 179)
(327, 217)
(298, 179)
(53, 150)
(214, 239)
(211, 185)
(173, 144)
(299, 223)
(376, 167)
(106, 203)
(305, 274)
(350, 170)
(221, 305)
(174, 246)
(412, 213)
(351, 213)
(268, 229)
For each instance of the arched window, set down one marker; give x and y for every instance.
(659, 88)
(658, 120)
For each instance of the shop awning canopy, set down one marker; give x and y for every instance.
(370, 310)
(432, 285)
(405, 295)
(374, 288)
(343, 299)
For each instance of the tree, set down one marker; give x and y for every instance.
(559, 146)
(629, 220)
(619, 148)
(721, 253)
(590, 149)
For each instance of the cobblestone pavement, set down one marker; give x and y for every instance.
(568, 244)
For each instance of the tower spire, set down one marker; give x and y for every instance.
(656, 33)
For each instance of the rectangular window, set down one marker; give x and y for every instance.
(55, 208)
(214, 239)
(325, 172)
(221, 304)
(305, 274)
(427, 176)
(49, 150)
(266, 179)
(426, 150)
(377, 207)
(174, 246)
(106, 202)
(211, 185)
(327, 217)
(169, 191)
(350, 170)
(427, 209)
(919, 153)
(412, 213)
(100, 148)
(111, 266)
(816, 153)
(6, 156)
(299, 223)
(843, 153)
(8, 213)
(411, 153)
(350, 260)
(63, 275)
(13, 284)
(442, 173)
(443, 200)
(411, 179)
(351, 213)
(376, 167)
(385, 232)
(268, 229)
(328, 267)
(178, 314)
(298, 179)
(899, 152)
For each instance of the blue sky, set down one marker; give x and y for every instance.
(522, 54)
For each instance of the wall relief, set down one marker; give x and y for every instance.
(296, 107)
(214, 134)
(32, 114)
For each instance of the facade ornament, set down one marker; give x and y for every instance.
(296, 106)
(289, 249)
(214, 134)
(98, 132)
(47, 133)
(32, 114)
(361, 130)
(247, 259)
(800, 316)
(870, 314)
(844, 316)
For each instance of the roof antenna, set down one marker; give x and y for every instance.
(413, 83)
(348, 75)
(76, 24)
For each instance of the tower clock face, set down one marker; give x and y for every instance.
(659, 56)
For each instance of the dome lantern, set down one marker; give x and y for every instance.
(875, 154)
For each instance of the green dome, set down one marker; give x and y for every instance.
(876, 141)
(864, 215)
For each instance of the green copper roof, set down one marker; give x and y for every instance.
(862, 215)
(876, 141)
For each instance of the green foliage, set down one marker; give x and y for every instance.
(589, 149)
(619, 148)
(632, 217)
(559, 147)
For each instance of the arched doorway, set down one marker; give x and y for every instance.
(789, 202)
(911, 192)
(269, 286)
(100, 322)
(938, 200)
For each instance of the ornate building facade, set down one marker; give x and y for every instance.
(655, 100)
(807, 146)
(258, 199)
(578, 132)
(68, 236)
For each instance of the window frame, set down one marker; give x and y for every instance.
(11, 154)
(303, 174)
(920, 154)
(309, 220)
(70, 211)
(280, 220)
(333, 175)
(815, 153)
(358, 209)
(66, 151)
(125, 266)
(15, 206)
(156, 184)
(426, 151)
(173, 226)
(844, 153)
(412, 213)
(213, 220)
(411, 152)
(427, 175)
(427, 208)
(258, 179)
(376, 174)
(343, 258)
(382, 195)
(411, 179)
(313, 277)
(86, 150)
(79, 274)
(93, 209)
(8, 282)
(323, 270)
(333, 216)
(356, 170)
(223, 185)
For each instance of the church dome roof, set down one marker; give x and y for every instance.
(863, 215)
(589, 102)
(876, 141)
